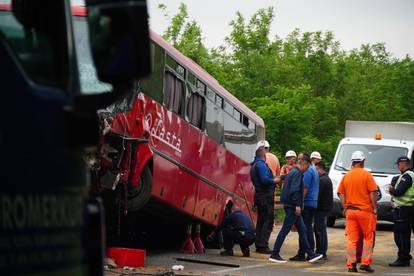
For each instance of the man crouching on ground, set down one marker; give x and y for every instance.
(237, 228)
(292, 199)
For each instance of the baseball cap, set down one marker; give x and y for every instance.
(316, 155)
(357, 156)
(403, 159)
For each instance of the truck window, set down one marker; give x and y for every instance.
(379, 159)
(89, 82)
(42, 51)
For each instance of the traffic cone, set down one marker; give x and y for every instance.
(188, 245)
(197, 241)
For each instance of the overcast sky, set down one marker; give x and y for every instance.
(353, 22)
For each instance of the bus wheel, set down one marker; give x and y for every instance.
(331, 221)
(139, 196)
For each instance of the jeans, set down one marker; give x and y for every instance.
(308, 217)
(232, 237)
(321, 235)
(292, 219)
(402, 231)
(265, 218)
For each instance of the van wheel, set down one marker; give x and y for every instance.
(138, 196)
(331, 221)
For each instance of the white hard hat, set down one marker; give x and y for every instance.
(358, 156)
(260, 144)
(316, 155)
(290, 153)
(263, 143)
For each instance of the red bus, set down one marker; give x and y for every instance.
(182, 145)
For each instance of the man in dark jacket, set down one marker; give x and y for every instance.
(325, 204)
(402, 191)
(292, 199)
(264, 185)
(237, 228)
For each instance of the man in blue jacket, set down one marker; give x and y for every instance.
(292, 199)
(311, 191)
(264, 185)
(237, 228)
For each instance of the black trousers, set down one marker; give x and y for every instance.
(265, 205)
(308, 215)
(232, 237)
(402, 231)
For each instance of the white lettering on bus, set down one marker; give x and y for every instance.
(40, 211)
(159, 132)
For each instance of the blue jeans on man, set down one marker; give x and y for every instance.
(292, 219)
(321, 235)
(308, 215)
(233, 236)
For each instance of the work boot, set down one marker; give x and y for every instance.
(298, 258)
(245, 251)
(263, 250)
(227, 253)
(353, 268)
(367, 268)
(400, 263)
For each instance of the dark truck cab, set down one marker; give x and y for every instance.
(49, 222)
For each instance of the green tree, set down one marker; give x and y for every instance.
(304, 86)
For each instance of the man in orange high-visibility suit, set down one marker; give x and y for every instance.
(358, 194)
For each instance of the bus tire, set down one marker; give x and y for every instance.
(331, 221)
(139, 196)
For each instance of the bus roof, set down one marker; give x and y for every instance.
(206, 77)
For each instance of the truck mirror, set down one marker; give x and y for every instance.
(119, 39)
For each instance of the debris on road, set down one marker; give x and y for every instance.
(206, 262)
(177, 267)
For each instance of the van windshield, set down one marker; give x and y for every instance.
(379, 159)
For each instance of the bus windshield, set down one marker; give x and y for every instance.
(89, 82)
(379, 159)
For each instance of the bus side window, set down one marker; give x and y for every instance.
(214, 121)
(245, 121)
(173, 93)
(196, 110)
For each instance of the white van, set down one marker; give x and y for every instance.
(382, 143)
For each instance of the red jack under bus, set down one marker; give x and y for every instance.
(182, 145)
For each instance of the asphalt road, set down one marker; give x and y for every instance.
(256, 265)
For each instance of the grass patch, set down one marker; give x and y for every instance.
(279, 215)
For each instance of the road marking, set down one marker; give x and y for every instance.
(239, 268)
